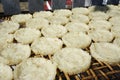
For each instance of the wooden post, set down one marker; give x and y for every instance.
(58, 4)
(78, 3)
(36, 5)
(11, 6)
(97, 2)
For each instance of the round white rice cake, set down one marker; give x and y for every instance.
(117, 41)
(5, 38)
(113, 13)
(37, 23)
(91, 8)
(101, 35)
(116, 31)
(98, 15)
(78, 40)
(100, 24)
(43, 14)
(3, 60)
(118, 5)
(9, 26)
(58, 20)
(5, 72)
(79, 18)
(105, 52)
(72, 60)
(46, 46)
(62, 13)
(54, 31)
(15, 53)
(80, 10)
(112, 7)
(26, 35)
(115, 21)
(21, 18)
(35, 69)
(77, 27)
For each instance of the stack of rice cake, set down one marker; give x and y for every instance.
(65, 35)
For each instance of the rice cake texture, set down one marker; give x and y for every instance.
(112, 7)
(72, 60)
(58, 20)
(117, 41)
(101, 35)
(3, 60)
(79, 18)
(21, 18)
(5, 38)
(15, 53)
(35, 69)
(42, 14)
(100, 24)
(37, 23)
(113, 13)
(5, 72)
(106, 52)
(98, 15)
(46, 46)
(54, 31)
(77, 27)
(77, 40)
(116, 31)
(91, 8)
(26, 35)
(115, 21)
(80, 10)
(9, 26)
(62, 13)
